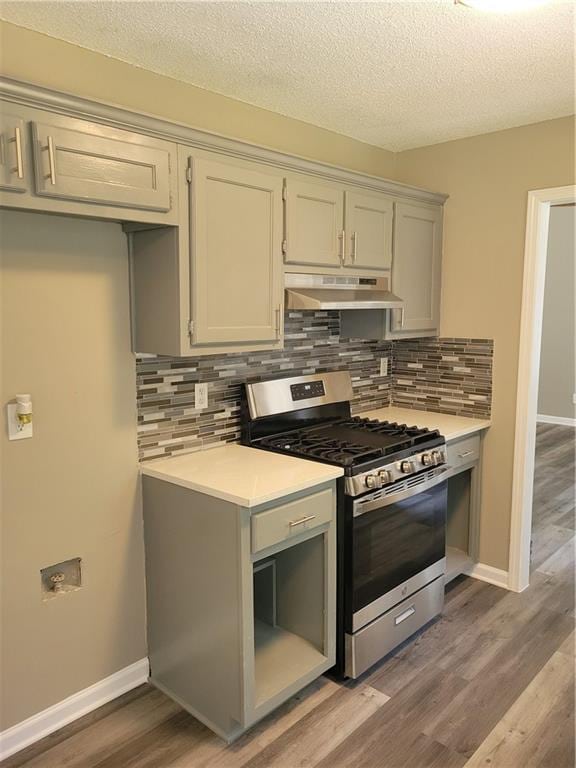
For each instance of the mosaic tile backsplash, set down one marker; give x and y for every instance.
(446, 375)
(449, 375)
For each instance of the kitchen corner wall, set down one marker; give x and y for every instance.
(447, 375)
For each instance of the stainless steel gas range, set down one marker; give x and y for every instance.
(391, 507)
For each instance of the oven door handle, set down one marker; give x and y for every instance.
(362, 506)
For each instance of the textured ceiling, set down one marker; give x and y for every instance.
(394, 74)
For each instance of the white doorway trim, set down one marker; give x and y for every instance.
(538, 215)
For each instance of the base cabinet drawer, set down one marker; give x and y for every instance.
(465, 451)
(281, 523)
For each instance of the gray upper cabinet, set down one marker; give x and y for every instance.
(314, 224)
(236, 243)
(416, 277)
(12, 149)
(368, 224)
(82, 164)
(213, 284)
(75, 167)
(416, 270)
(330, 229)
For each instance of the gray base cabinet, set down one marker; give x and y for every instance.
(241, 602)
(464, 458)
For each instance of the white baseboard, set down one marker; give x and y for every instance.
(489, 574)
(561, 420)
(49, 720)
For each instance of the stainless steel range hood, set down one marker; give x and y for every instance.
(327, 292)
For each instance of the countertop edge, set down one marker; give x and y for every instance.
(333, 474)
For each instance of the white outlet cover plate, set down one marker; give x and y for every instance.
(383, 366)
(15, 430)
(201, 396)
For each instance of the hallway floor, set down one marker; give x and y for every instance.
(491, 683)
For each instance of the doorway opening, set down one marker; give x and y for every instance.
(540, 203)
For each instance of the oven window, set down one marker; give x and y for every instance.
(395, 542)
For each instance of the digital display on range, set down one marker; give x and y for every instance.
(307, 390)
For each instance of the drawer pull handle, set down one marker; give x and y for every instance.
(405, 615)
(51, 161)
(294, 523)
(354, 246)
(18, 141)
(466, 453)
(342, 254)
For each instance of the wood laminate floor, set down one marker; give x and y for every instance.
(491, 683)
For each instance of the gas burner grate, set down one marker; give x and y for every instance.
(321, 447)
(384, 427)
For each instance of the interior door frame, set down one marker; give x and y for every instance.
(535, 255)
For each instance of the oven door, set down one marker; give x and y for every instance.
(398, 544)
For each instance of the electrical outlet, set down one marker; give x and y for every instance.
(383, 366)
(201, 396)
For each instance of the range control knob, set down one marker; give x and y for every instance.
(373, 481)
(385, 476)
(407, 467)
(427, 459)
(438, 457)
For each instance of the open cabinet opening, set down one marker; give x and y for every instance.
(458, 558)
(289, 616)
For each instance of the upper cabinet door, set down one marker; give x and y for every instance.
(85, 164)
(12, 153)
(236, 237)
(314, 224)
(416, 269)
(368, 231)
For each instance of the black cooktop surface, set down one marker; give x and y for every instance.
(350, 442)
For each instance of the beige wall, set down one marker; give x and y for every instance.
(557, 356)
(30, 56)
(487, 178)
(71, 490)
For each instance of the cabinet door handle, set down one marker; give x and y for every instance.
(342, 246)
(18, 142)
(401, 323)
(354, 246)
(51, 164)
(302, 520)
(278, 315)
(466, 453)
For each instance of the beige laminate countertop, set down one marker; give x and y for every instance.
(452, 427)
(244, 476)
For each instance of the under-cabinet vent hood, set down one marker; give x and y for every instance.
(327, 292)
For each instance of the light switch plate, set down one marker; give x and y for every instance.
(15, 430)
(201, 396)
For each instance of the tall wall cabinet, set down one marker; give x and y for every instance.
(214, 224)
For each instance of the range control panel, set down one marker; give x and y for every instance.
(306, 390)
